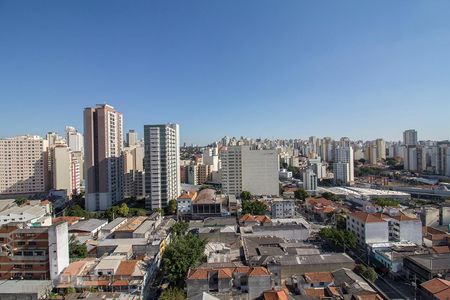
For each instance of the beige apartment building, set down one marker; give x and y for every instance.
(103, 144)
(23, 165)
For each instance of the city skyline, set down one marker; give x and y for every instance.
(256, 69)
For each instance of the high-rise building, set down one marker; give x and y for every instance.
(132, 138)
(74, 139)
(62, 168)
(244, 169)
(161, 164)
(410, 137)
(133, 157)
(341, 172)
(309, 181)
(23, 165)
(103, 143)
(381, 149)
(345, 155)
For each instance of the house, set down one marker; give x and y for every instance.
(368, 228)
(433, 237)
(320, 209)
(435, 289)
(252, 281)
(260, 220)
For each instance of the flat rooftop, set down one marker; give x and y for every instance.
(24, 286)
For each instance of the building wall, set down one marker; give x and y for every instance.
(58, 248)
(23, 165)
(62, 169)
(411, 231)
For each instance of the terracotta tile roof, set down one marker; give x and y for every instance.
(437, 286)
(96, 283)
(311, 292)
(403, 217)
(74, 268)
(132, 224)
(334, 291)
(328, 209)
(188, 195)
(258, 271)
(263, 219)
(275, 295)
(444, 295)
(197, 274)
(120, 283)
(70, 220)
(225, 273)
(247, 218)
(241, 270)
(319, 201)
(316, 277)
(441, 249)
(367, 218)
(126, 267)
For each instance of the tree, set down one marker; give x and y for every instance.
(159, 210)
(296, 173)
(245, 195)
(70, 290)
(137, 212)
(367, 272)
(254, 207)
(301, 194)
(183, 253)
(180, 228)
(172, 293)
(386, 202)
(338, 239)
(77, 211)
(76, 249)
(172, 207)
(111, 213)
(362, 160)
(20, 200)
(123, 210)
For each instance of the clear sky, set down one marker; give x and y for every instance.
(288, 69)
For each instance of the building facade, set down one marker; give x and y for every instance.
(103, 141)
(161, 164)
(23, 165)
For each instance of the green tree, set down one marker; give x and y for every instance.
(172, 207)
(70, 290)
(77, 211)
(137, 212)
(301, 194)
(76, 249)
(123, 210)
(183, 253)
(245, 195)
(367, 272)
(20, 200)
(111, 213)
(159, 210)
(338, 239)
(172, 293)
(180, 228)
(254, 207)
(386, 202)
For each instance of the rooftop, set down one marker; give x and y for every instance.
(87, 225)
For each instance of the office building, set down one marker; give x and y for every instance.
(381, 149)
(161, 164)
(62, 169)
(134, 175)
(245, 169)
(410, 137)
(103, 142)
(23, 165)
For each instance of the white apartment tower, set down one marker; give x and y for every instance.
(309, 180)
(244, 169)
(345, 155)
(23, 165)
(103, 145)
(74, 139)
(161, 164)
(341, 173)
(132, 138)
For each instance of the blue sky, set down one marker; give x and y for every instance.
(362, 69)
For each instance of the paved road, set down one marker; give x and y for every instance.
(387, 290)
(395, 289)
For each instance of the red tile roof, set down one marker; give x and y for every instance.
(126, 267)
(120, 283)
(316, 277)
(198, 274)
(311, 292)
(258, 271)
(275, 295)
(437, 286)
(367, 218)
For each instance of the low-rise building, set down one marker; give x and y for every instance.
(368, 228)
(426, 267)
(21, 290)
(38, 253)
(283, 208)
(250, 281)
(435, 289)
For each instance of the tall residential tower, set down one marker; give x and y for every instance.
(161, 164)
(103, 145)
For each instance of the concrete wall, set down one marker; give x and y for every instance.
(257, 285)
(411, 231)
(376, 232)
(58, 249)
